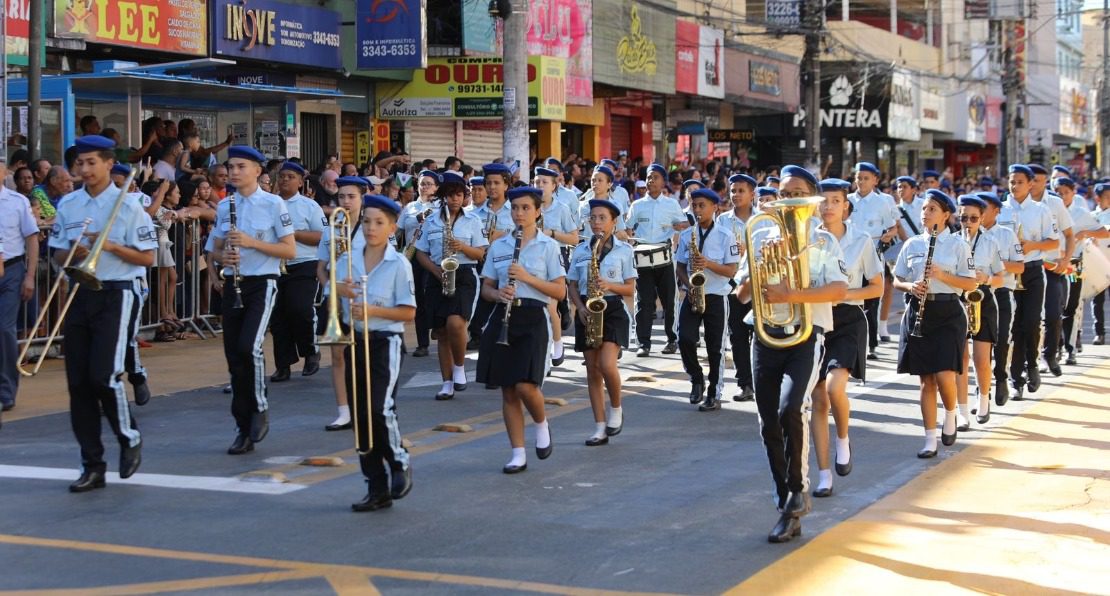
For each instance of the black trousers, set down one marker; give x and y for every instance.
(654, 283)
(136, 373)
(1055, 298)
(244, 331)
(1026, 330)
(294, 320)
(423, 321)
(871, 309)
(387, 454)
(1100, 313)
(689, 323)
(784, 380)
(1071, 334)
(740, 336)
(96, 337)
(1003, 298)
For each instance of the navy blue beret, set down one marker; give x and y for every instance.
(121, 169)
(605, 170)
(986, 181)
(1063, 182)
(1062, 169)
(733, 179)
(706, 193)
(546, 172)
(866, 166)
(430, 174)
(245, 152)
(608, 162)
(381, 202)
(93, 143)
(799, 172)
(477, 181)
(292, 166)
(972, 201)
(658, 169)
(688, 183)
(991, 198)
(551, 161)
(941, 197)
(1101, 187)
(908, 180)
(833, 184)
(610, 205)
(766, 191)
(496, 168)
(772, 180)
(1037, 168)
(1019, 168)
(930, 174)
(524, 191)
(450, 177)
(358, 181)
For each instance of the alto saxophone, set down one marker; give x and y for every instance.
(595, 298)
(448, 262)
(974, 303)
(696, 292)
(1019, 287)
(410, 250)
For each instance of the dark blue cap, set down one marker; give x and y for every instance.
(358, 181)
(657, 169)
(450, 177)
(799, 172)
(381, 202)
(706, 193)
(972, 201)
(772, 180)
(93, 143)
(766, 191)
(930, 174)
(941, 197)
(608, 162)
(834, 184)
(1062, 169)
(991, 198)
(1037, 168)
(430, 174)
(121, 169)
(610, 205)
(477, 180)
(733, 179)
(292, 166)
(524, 191)
(866, 166)
(1064, 182)
(245, 152)
(986, 181)
(1020, 168)
(545, 172)
(551, 161)
(605, 170)
(496, 168)
(1101, 187)
(687, 183)
(908, 180)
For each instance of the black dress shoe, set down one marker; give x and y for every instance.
(983, 417)
(787, 528)
(926, 453)
(280, 375)
(227, 388)
(670, 348)
(1034, 379)
(242, 444)
(129, 460)
(88, 481)
(595, 441)
(843, 469)
(642, 352)
(459, 386)
(821, 493)
(373, 503)
(474, 343)
(1071, 361)
(491, 386)
(1001, 393)
(1098, 340)
(1054, 368)
(963, 428)
(441, 396)
(948, 440)
(797, 504)
(401, 483)
(260, 426)
(511, 469)
(420, 352)
(545, 452)
(333, 427)
(311, 365)
(558, 361)
(711, 404)
(7, 407)
(612, 431)
(142, 394)
(872, 355)
(697, 393)
(746, 394)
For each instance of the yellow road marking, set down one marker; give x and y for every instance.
(176, 585)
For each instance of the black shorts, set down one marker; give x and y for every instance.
(462, 303)
(988, 317)
(846, 344)
(944, 340)
(525, 359)
(614, 330)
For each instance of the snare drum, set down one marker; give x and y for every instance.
(652, 255)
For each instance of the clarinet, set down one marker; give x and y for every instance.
(503, 340)
(237, 303)
(921, 303)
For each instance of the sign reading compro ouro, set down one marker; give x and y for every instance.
(277, 32)
(391, 34)
(472, 88)
(178, 26)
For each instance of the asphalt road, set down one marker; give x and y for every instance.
(678, 503)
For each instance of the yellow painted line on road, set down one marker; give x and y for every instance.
(176, 585)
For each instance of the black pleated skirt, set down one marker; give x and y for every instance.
(614, 330)
(988, 317)
(943, 341)
(525, 359)
(461, 303)
(846, 344)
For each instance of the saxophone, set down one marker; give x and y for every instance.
(595, 298)
(410, 250)
(1018, 286)
(696, 292)
(973, 302)
(448, 263)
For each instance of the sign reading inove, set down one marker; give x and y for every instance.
(278, 32)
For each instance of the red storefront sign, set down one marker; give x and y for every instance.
(177, 26)
(686, 40)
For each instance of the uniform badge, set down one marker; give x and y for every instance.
(843, 267)
(325, 221)
(502, 258)
(56, 230)
(286, 220)
(147, 234)
(1017, 247)
(971, 263)
(258, 235)
(611, 273)
(735, 248)
(1055, 228)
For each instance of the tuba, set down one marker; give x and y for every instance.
(595, 298)
(696, 291)
(449, 264)
(784, 260)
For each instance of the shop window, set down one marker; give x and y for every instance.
(50, 128)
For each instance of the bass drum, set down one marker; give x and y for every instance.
(1096, 270)
(652, 255)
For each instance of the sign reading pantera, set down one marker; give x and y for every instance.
(852, 98)
(636, 48)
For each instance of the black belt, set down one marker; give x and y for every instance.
(13, 261)
(525, 303)
(939, 297)
(258, 277)
(1034, 264)
(780, 332)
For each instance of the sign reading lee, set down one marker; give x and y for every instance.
(177, 26)
(277, 32)
(391, 34)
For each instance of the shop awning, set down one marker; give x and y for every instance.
(162, 87)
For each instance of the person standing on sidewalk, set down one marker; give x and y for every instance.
(19, 252)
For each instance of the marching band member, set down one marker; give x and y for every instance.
(95, 328)
(477, 196)
(294, 325)
(873, 212)
(601, 187)
(907, 210)
(716, 258)
(784, 377)
(1085, 226)
(766, 194)
(450, 313)
(251, 252)
(616, 193)
(654, 220)
(386, 302)
(1037, 233)
(351, 191)
(1013, 260)
(936, 356)
(562, 194)
(741, 189)
(497, 221)
(616, 274)
(1056, 283)
(688, 187)
(136, 372)
(558, 223)
(988, 269)
(1102, 214)
(412, 218)
(845, 342)
(930, 179)
(521, 275)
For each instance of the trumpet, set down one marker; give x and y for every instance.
(360, 447)
(595, 298)
(341, 242)
(784, 259)
(449, 263)
(696, 292)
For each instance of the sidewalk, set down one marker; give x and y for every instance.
(1025, 510)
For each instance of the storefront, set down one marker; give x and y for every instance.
(977, 128)
(762, 89)
(696, 107)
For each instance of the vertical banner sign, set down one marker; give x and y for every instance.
(686, 57)
(711, 62)
(382, 140)
(362, 147)
(563, 29)
(177, 26)
(17, 13)
(903, 121)
(391, 34)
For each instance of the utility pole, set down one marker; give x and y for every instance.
(1012, 85)
(34, 80)
(812, 22)
(514, 58)
(1104, 119)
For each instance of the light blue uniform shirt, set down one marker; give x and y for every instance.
(873, 213)
(584, 215)
(652, 220)
(719, 246)
(913, 212)
(503, 217)
(1082, 221)
(467, 229)
(132, 228)
(1035, 220)
(1009, 249)
(618, 265)
(557, 217)
(17, 222)
(985, 253)
(1103, 218)
(389, 284)
(359, 242)
(307, 216)
(826, 266)
(261, 215)
(1061, 217)
(951, 254)
(860, 259)
(410, 219)
(568, 199)
(540, 257)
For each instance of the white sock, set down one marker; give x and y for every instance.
(615, 417)
(448, 388)
(458, 374)
(824, 479)
(519, 457)
(930, 439)
(556, 350)
(543, 435)
(984, 404)
(963, 410)
(882, 329)
(843, 451)
(344, 415)
(949, 422)
(599, 432)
